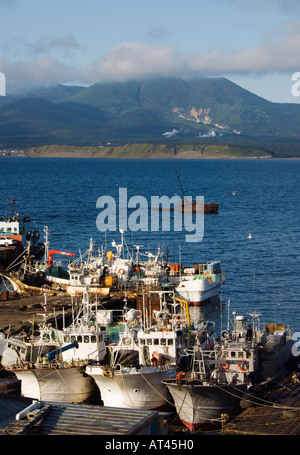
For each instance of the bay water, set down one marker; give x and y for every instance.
(260, 197)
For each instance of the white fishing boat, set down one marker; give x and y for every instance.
(197, 284)
(220, 380)
(99, 272)
(118, 270)
(52, 365)
(143, 356)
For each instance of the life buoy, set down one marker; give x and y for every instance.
(242, 366)
(208, 278)
(224, 367)
(121, 271)
(225, 334)
(180, 317)
(94, 280)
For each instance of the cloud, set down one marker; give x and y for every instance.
(129, 60)
(278, 53)
(45, 45)
(42, 62)
(42, 71)
(45, 60)
(157, 34)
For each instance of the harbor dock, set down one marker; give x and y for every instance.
(278, 413)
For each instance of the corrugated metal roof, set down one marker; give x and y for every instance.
(10, 405)
(54, 418)
(83, 419)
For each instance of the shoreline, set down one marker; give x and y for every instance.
(63, 156)
(151, 151)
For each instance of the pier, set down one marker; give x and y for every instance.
(278, 413)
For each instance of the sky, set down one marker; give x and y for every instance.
(254, 43)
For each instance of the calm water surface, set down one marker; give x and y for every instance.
(262, 272)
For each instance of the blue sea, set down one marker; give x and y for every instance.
(260, 197)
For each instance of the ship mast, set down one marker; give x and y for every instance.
(179, 181)
(12, 202)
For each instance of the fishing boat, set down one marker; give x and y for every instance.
(16, 232)
(222, 379)
(74, 280)
(192, 205)
(99, 273)
(51, 365)
(198, 284)
(118, 270)
(148, 350)
(201, 283)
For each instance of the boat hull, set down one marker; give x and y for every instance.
(201, 406)
(68, 385)
(130, 388)
(198, 292)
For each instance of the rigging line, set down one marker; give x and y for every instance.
(272, 404)
(34, 379)
(55, 369)
(11, 264)
(183, 411)
(268, 404)
(126, 390)
(109, 390)
(156, 391)
(189, 406)
(4, 283)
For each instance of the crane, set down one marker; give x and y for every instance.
(51, 252)
(185, 306)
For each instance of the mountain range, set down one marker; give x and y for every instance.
(160, 110)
